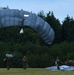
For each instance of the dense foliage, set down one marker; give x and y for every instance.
(29, 43)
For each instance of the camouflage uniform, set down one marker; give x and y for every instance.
(57, 63)
(25, 62)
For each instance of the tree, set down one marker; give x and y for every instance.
(68, 29)
(55, 24)
(41, 14)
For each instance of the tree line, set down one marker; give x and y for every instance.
(29, 43)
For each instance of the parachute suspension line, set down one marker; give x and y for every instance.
(22, 30)
(22, 25)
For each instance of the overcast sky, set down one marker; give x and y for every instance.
(60, 8)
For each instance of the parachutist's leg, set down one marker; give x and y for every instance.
(24, 66)
(7, 66)
(58, 67)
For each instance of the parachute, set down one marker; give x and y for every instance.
(15, 17)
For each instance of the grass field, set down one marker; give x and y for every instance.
(33, 71)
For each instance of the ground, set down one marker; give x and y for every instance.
(33, 71)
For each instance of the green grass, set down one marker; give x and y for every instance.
(33, 71)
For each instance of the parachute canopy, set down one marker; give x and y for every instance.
(15, 17)
(9, 55)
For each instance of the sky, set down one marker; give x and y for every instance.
(60, 8)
